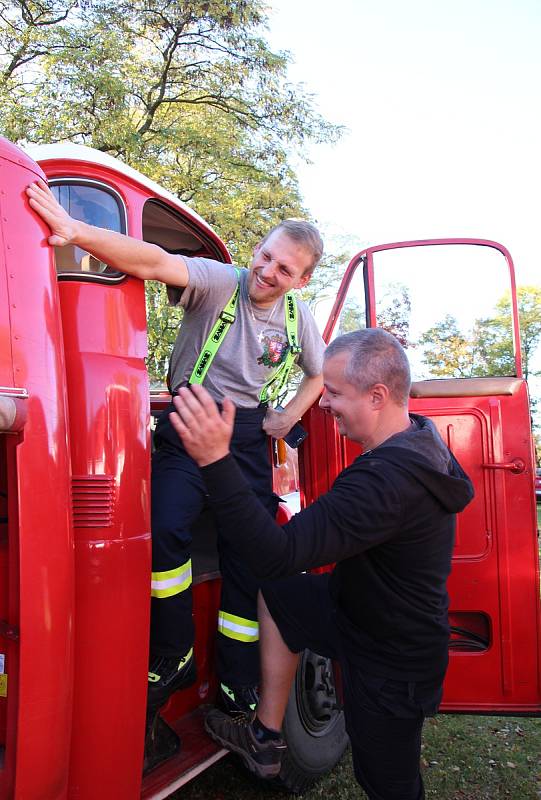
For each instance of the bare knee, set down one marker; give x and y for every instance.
(262, 609)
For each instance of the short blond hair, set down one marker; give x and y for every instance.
(303, 233)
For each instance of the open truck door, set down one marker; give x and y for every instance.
(452, 303)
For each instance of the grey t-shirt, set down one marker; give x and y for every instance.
(251, 351)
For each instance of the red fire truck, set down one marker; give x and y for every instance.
(75, 422)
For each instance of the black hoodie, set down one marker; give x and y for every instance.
(388, 522)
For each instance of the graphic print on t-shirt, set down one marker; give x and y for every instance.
(275, 348)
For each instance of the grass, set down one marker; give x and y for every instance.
(463, 758)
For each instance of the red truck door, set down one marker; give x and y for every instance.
(452, 303)
(36, 544)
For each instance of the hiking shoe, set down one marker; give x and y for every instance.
(264, 758)
(166, 675)
(237, 700)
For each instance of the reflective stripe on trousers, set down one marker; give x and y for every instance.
(239, 628)
(172, 581)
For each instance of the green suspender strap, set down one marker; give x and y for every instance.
(276, 383)
(273, 387)
(216, 336)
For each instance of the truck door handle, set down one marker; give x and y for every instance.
(516, 466)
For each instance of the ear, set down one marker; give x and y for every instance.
(301, 283)
(379, 395)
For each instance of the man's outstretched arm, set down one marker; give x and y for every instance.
(336, 526)
(132, 256)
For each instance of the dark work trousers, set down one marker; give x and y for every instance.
(384, 721)
(178, 496)
(384, 717)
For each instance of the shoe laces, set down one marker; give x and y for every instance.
(242, 717)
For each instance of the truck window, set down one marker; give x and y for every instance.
(165, 227)
(352, 315)
(450, 306)
(95, 205)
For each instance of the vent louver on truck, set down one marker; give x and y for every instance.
(92, 499)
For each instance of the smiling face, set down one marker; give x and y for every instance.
(279, 265)
(356, 412)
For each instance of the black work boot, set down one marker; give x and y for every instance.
(237, 699)
(167, 674)
(263, 758)
(161, 742)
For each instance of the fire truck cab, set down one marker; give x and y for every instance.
(75, 422)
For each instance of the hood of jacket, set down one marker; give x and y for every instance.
(429, 461)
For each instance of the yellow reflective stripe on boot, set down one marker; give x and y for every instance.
(153, 677)
(172, 581)
(244, 630)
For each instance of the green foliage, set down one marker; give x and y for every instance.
(529, 313)
(448, 352)
(488, 348)
(494, 338)
(162, 325)
(188, 93)
(394, 312)
(352, 317)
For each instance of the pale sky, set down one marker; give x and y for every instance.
(442, 104)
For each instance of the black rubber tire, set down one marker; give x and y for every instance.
(314, 726)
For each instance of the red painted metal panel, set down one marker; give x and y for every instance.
(105, 342)
(495, 565)
(181, 711)
(40, 571)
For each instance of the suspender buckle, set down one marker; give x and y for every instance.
(225, 316)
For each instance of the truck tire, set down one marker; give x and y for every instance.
(314, 726)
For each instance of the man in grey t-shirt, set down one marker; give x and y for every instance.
(251, 352)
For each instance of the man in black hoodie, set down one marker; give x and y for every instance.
(388, 522)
